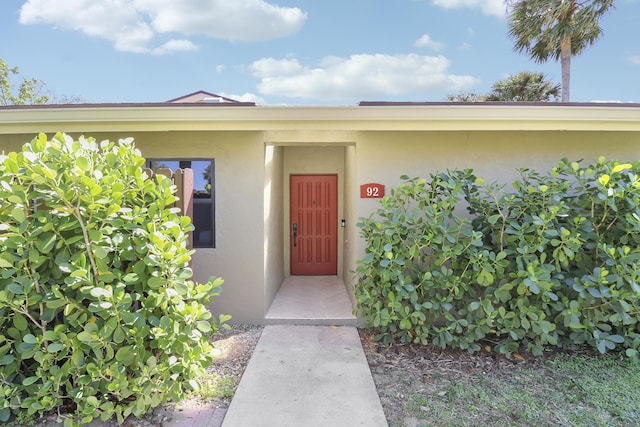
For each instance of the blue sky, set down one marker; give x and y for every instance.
(295, 52)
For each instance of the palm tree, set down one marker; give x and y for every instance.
(557, 29)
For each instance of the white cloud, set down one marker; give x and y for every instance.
(358, 77)
(245, 97)
(135, 25)
(426, 41)
(242, 20)
(174, 46)
(634, 59)
(277, 67)
(488, 7)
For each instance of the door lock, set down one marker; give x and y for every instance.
(295, 235)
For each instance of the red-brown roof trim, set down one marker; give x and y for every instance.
(496, 103)
(130, 105)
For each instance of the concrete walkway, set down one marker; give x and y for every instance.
(306, 376)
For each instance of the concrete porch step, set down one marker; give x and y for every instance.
(312, 300)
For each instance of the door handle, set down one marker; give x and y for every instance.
(295, 235)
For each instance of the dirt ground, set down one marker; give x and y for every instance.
(417, 385)
(234, 346)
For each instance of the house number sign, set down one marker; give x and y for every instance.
(371, 191)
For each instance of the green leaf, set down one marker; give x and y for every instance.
(15, 288)
(46, 243)
(18, 214)
(56, 303)
(55, 347)
(30, 380)
(155, 282)
(194, 385)
(125, 355)
(20, 322)
(82, 163)
(99, 251)
(493, 219)
(7, 359)
(29, 339)
(15, 199)
(119, 335)
(78, 273)
(50, 335)
(203, 326)
(5, 413)
(131, 278)
(98, 292)
(616, 338)
(620, 168)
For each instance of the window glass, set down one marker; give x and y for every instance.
(202, 173)
(203, 197)
(202, 215)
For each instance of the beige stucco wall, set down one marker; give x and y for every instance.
(15, 142)
(274, 272)
(256, 149)
(382, 157)
(351, 233)
(239, 192)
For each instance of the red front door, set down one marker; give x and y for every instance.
(314, 225)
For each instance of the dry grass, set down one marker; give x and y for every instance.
(424, 386)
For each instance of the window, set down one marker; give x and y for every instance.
(203, 196)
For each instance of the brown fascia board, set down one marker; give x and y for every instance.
(129, 105)
(496, 103)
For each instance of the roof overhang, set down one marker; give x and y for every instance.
(364, 117)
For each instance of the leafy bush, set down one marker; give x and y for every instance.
(554, 262)
(98, 315)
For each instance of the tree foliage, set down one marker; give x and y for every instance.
(98, 314)
(466, 97)
(525, 86)
(28, 91)
(556, 29)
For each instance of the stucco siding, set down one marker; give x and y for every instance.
(351, 232)
(10, 143)
(238, 190)
(382, 157)
(256, 149)
(273, 223)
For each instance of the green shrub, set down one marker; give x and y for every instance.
(98, 315)
(552, 263)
